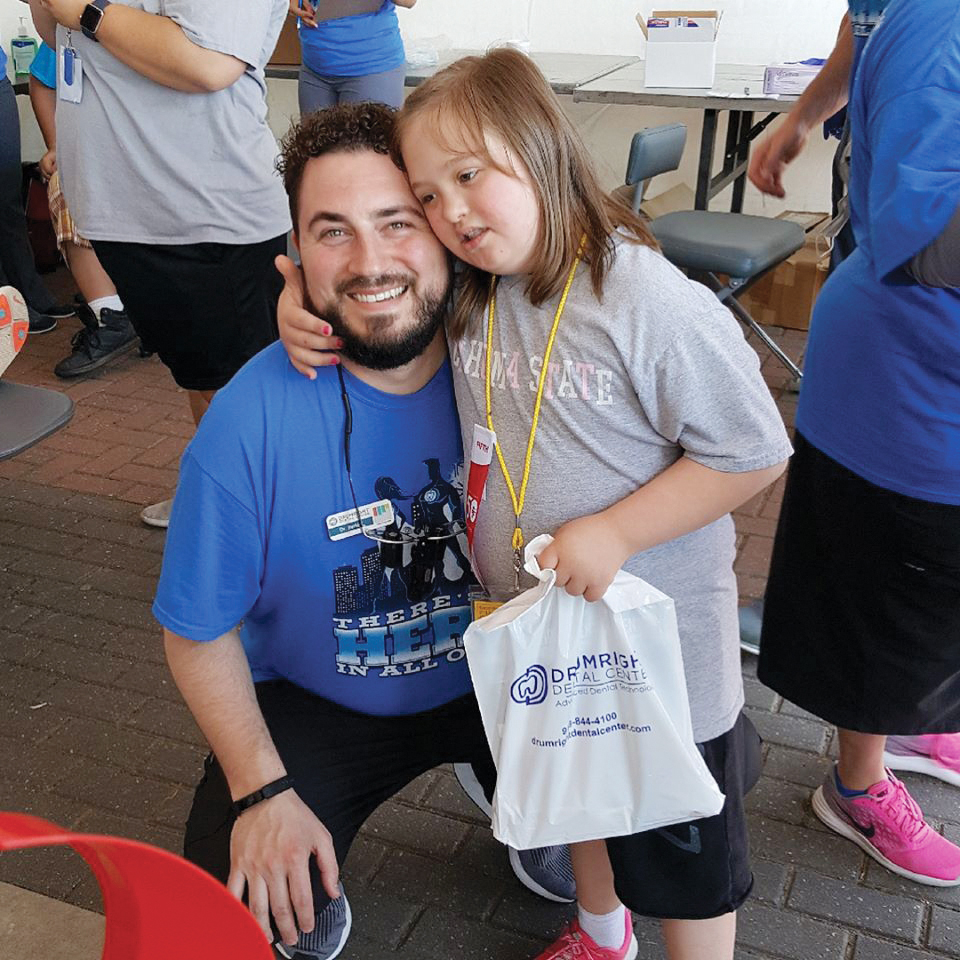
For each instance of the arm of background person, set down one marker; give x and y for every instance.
(827, 94)
(44, 23)
(154, 46)
(272, 842)
(44, 102)
(404, 3)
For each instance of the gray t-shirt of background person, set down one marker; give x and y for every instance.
(143, 163)
(658, 369)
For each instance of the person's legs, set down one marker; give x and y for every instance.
(386, 87)
(860, 761)
(16, 257)
(314, 92)
(711, 939)
(92, 280)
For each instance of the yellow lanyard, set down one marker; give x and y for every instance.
(518, 501)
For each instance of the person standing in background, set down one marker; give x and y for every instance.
(167, 163)
(351, 58)
(16, 257)
(107, 332)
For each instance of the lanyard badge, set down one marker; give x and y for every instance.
(70, 74)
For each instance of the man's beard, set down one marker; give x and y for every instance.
(384, 352)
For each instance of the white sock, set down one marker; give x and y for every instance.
(605, 929)
(111, 303)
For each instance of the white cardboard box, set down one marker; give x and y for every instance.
(681, 47)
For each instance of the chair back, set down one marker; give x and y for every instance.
(157, 905)
(654, 150)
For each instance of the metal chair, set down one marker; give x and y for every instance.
(157, 906)
(28, 414)
(738, 246)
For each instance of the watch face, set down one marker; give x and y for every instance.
(90, 18)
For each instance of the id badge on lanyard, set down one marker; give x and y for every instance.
(69, 72)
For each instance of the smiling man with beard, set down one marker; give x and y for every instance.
(342, 684)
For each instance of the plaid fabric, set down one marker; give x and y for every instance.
(63, 224)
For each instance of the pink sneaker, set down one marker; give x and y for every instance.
(935, 754)
(887, 823)
(575, 944)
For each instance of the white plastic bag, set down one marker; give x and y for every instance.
(585, 708)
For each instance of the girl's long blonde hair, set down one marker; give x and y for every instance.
(503, 92)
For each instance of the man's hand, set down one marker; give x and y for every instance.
(65, 12)
(306, 13)
(270, 850)
(586, 553)
(308, 340)
(48, 164)
(771, 157)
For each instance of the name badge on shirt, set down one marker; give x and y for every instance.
(70, 75)
(373, 516)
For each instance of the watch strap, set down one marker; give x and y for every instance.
(264, 793)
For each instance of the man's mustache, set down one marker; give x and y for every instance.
(383, 280)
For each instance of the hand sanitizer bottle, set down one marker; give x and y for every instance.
(23, 48)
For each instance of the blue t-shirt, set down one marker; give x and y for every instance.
(44, 66)
(249, 538)
(353, 46)
(3, 64)
(881, 387)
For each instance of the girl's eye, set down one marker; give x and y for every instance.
(427, 198)
(467, 176)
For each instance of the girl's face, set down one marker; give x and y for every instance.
(482, 215)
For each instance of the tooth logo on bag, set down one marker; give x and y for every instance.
(530, 687)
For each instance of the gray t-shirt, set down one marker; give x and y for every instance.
(143, 163)
(657, 370)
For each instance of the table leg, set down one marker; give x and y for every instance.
(708, 140)
(743, 154)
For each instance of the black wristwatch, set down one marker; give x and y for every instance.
(92, 17)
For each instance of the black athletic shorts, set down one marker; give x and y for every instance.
(861, 622)
(699, 869)
(205, 308)
(345, 765)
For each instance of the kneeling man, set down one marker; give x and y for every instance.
(324, 517)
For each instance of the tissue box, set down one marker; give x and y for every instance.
(789, 79)
(681, 47)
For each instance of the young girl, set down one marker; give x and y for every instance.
(653, 424)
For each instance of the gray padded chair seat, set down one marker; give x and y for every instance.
(28, 414)
(732, 243)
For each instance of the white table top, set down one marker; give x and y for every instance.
(735, 87)
(564, 71)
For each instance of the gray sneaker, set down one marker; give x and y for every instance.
(329, 936)
(547, 871)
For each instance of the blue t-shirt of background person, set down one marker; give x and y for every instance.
(353, 46)
(44, 66)
(378, 629)
(881, 387)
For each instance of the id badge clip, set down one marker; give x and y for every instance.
(70, 75)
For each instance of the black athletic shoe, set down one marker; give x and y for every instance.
(40, 322)
(60, 311)
(95, 345)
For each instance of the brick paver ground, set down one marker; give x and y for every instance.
(93, 734)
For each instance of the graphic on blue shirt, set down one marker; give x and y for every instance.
(406, 603)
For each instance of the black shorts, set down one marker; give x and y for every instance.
(861, 621)
(345, 765)
(205, 308)
(699, 869)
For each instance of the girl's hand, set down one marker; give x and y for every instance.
(308, 340)
(307, 13)
(586, 553)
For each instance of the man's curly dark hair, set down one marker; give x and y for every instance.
(348, 127)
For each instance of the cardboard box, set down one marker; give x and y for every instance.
(784, 297)
(681, 47)
(287, 51)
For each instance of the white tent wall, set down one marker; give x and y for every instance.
(753, 31)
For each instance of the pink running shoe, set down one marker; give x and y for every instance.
(887, 823)
(935, 754)
(575, 944)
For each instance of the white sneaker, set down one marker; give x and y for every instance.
(14, 325)
(157, 514)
